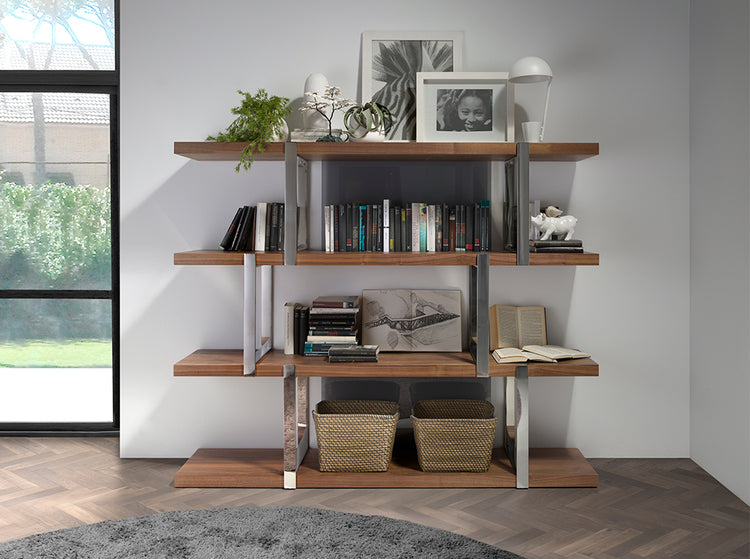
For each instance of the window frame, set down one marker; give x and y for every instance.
(81, 81)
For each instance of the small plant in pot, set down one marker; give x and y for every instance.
(369, 122)
(260, 119)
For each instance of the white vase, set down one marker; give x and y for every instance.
(282, 134)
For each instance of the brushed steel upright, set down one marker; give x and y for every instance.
(522, 197)
(290, 204)
(479, 318)
(257, 312)
(296, 424)
(521, 450)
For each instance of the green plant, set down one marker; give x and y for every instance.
(372, 116)
(259, 119)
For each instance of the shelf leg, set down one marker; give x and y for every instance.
(521, 414)
(522, 197)
(479, 297)
(249, 343)
(296, 424)
(290, 204)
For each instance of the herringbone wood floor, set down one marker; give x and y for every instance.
(642, 508)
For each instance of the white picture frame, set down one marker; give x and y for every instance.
(422, 51)
(443, 98)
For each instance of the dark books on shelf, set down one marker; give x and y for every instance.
(256, 228)
(391, 226)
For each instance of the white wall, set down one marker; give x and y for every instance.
(621, 78)
(720, 241)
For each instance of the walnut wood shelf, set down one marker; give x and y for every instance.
(228, 363)
(390, 151)
(321, 258)
(263, 468)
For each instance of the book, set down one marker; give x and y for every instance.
(568, 250)
(515, 355)
(301, 325)
(331, 338)
(226, 242)
(289, 328)
(260, 226)
(336, 301)
(517, 326)
(555, 243)
(351, 349)
(555, 351)
(334, 310)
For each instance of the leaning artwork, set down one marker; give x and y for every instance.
(412, 320)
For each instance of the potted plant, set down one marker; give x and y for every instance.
(260, 119)
(369, 122)
(326, 103)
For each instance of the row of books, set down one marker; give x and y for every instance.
(256, 228)
(411, 227)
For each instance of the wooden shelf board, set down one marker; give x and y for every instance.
(567, 368)
(228, 363)
(220, 363)
(565, 151)
(321, 258)
(390, 151)
(225, 258)
(233, 467)
(263, 468)
(227, 151)
(560, 467)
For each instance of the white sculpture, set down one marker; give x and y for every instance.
(563, 225)
(313, 120)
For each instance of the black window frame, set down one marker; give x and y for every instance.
(83, 81)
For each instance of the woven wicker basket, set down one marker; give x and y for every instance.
(454, 435)
(355, 435)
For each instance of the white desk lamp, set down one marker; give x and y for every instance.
(532, 69)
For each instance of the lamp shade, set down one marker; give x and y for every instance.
(530, 69)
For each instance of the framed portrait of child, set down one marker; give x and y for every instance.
(464, 107)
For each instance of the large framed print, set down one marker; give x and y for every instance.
(464, 107)
(412, 319)
(390, 62)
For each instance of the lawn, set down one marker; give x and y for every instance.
(66, 353)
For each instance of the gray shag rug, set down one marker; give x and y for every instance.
(268, 533)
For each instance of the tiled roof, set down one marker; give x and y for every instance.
(71, 108)
(23, 55)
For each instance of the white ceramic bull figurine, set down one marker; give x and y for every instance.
(563, 225)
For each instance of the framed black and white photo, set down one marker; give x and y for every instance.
(390, 62)
(412, 319)
(464, 107)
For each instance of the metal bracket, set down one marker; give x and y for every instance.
(290, 204)
(258, 326)
(522, 197)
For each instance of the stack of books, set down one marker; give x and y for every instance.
(256, 228)
(333, 321)
(555, 245)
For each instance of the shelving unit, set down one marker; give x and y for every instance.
(294, 466)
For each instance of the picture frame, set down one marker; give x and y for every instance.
(465, 107)
(385, 55)
(412, 319)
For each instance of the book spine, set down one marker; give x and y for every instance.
(241, 228)
(446, 228)
(267, 239)
(362, 228)
(422, 227)
(327, 228)
(469, 228)
(405, 229)
(431, 224)
(336, 227)
(452, 229)
(485, 212)
(477, 225)
(415, 227)
(438, 228)
(273, 243)
(289, 328)
(387, 214)
(348, 229)
(260, 227)
(226, 242)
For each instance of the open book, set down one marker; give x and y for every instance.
(515, 355)
(517, 326)
(555, 352)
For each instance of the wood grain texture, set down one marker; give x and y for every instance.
(220, 363)
(390, 151)
(225, 258)
(643, 508)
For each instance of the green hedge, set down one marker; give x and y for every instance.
(54, 236)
